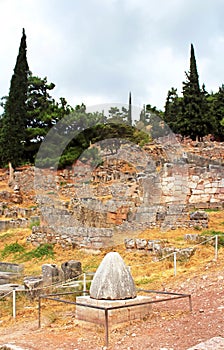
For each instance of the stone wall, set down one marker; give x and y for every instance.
(206, 186)
(13, 223)
(155, 187)
(158, 249)
(72, 237)
(197, 181)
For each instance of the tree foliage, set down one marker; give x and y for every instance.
(13, 121)
(173, 108)
(31, 113)
(43, 112)
(190, 123)
(196, 113)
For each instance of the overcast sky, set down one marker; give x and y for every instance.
(96, 51)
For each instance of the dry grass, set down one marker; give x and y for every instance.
(146, 273)
(142, 266)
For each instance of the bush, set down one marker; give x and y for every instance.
(215, 233)
(12, 249)
(44, 250)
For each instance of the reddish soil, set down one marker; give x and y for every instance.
(171, 325)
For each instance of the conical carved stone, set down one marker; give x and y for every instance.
(112, 280)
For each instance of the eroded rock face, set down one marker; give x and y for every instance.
(112, 280)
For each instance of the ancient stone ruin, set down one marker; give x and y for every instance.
(158, 249)
(9, 274)
(112, 286)
(157, 186)
(51, 275)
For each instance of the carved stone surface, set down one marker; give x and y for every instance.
(112, 280)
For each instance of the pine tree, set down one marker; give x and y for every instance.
(193, 123)
(13, 123)
(216, 104)
(172, 111)
(43, 112)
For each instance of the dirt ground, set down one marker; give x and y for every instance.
(170, 326)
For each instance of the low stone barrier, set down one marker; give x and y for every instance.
(71, 237)
(7, 224)
(10, 267)
(158, 249)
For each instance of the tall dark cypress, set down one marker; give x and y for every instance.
(130, 110)
(13, 123)
(192, 123)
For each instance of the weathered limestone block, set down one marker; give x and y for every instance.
(11, 267)
(17, 197)
(153, 244)
(185, 253)
(165, 252)
(8, 277)
(129, 243)
(141, 243)
(181, 254)
(51, 274)
(31, 282)
(112, 280)
(191, 237)
(199, 215)
(157, 247)
(71, 269)
(33, 285)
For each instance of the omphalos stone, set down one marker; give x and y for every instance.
(112, 280)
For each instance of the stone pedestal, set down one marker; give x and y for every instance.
(116, 316)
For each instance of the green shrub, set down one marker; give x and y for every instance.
(43, 250)
(215, 233)
(12, 249)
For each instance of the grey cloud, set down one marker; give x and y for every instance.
(105, 48)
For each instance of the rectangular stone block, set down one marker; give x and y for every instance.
(126, 314)
(197, 191)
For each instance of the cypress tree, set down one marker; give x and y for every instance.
(130, 110)
(13, 123)
(192, 122)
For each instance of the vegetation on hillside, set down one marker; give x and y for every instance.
(15, 248)
(30, 113)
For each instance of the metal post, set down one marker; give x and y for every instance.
(14, 303)
(39, 312)
(106, 329)
(216, 247)
(84, 282)
(175, 263)
(190, 303)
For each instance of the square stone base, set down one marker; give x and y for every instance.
(126, 314)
